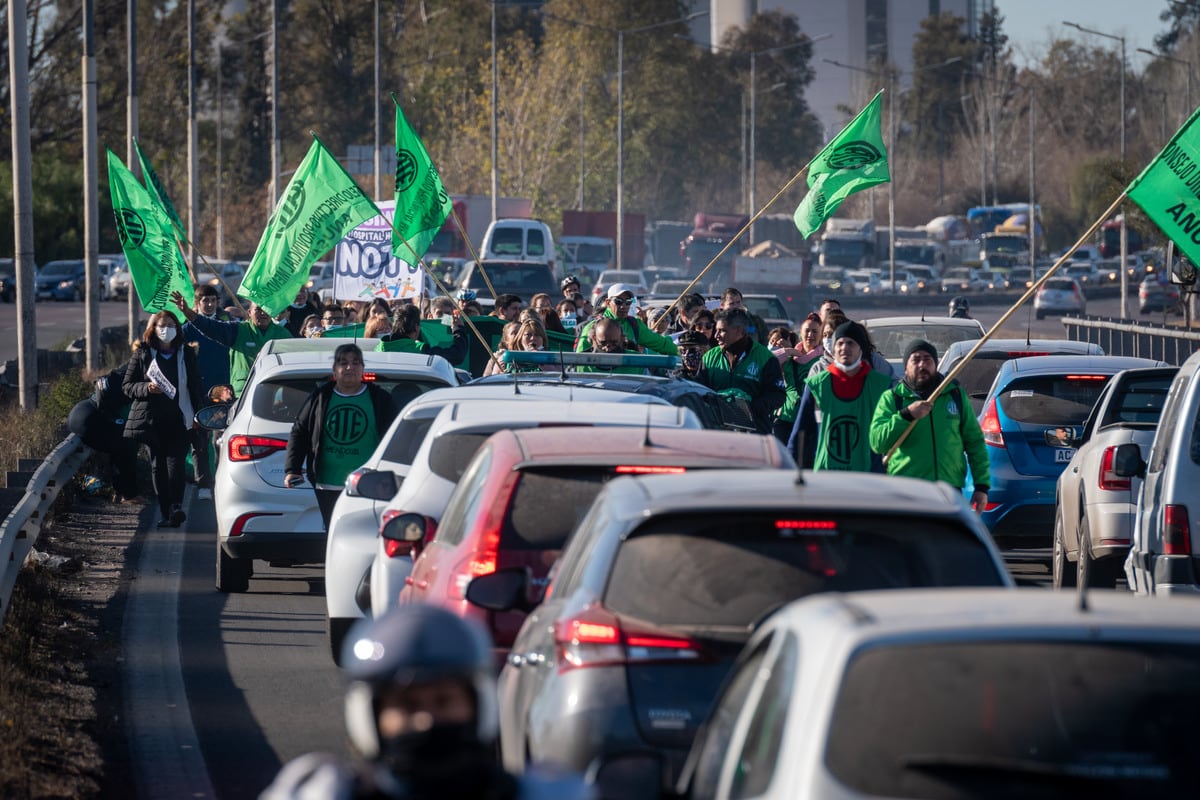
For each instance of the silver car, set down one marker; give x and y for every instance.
(257, 516)
(1059, 296)
(1093, 521)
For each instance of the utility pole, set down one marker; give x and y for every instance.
(91, 210)
(131, 133)
(193, 144)
(18, 70)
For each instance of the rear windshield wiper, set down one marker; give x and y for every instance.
(1073, 771)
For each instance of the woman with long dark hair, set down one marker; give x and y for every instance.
(163, 381)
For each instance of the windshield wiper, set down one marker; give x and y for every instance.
(1075, 771)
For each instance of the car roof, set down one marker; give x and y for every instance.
(723, 490)
(563, 392)
(950, 322)
(1061, 346)
(270, 365)
(1054, 365)
(577, 446)
(984, 612)
(460, 417)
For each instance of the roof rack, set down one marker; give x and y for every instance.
(608, 360)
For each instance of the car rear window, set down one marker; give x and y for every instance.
(1141, 401)
(1059, 284)
(281, 400)
(548, 504)
(1052, 399)
(892, 339)
(1018, 719)
(409, 435)
(452, 452)
(730, 569)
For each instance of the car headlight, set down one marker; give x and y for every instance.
(66, 284)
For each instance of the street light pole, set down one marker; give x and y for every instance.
(621, 123)
(1124, 240)
(1188, 102)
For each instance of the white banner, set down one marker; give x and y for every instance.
(363, 267)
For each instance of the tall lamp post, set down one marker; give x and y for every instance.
(621, 122)
(1188, 102)
(1124, 240)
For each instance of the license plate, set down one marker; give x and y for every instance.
(1063, 456)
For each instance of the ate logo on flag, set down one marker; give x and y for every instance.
(131, 229)
(406, 170)
(854, 155)
(290, 208)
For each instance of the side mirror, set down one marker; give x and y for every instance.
(632, 775)
(406, 534)
(213, 418)
(1127, 461)
(503, 590)
(376, 484)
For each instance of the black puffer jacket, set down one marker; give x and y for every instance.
(153, 416)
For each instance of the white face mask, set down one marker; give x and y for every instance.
(828, 345)
(166, 334)
(851, 366)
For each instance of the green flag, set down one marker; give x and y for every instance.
(855, 160)
(148, 240)
(422, 204)
(156, 188)
(321, 204)
(1168, 189)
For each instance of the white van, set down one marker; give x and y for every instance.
(1164, 557)
(519, 240)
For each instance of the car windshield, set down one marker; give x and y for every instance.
(63, 268)
(827, 274)
(892, 339)
(1006, 244)
(768, 307)
(593, 253)
(1051, 399)
(1004, 719)
(916, 254)
(515, 278)
(507, 241)
(728, 569)
(845, 251)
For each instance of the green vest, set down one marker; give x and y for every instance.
(793, 380)
(402, 345)
(348, 437)
(843, 440)
(745, 376)
(246, 346)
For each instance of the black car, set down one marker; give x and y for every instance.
(8, 280)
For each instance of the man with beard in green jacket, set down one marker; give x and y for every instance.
(945, 429)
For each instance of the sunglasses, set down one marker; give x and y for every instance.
(617, 301)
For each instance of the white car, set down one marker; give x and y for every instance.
(257, 516)
(976, 693)
(891, 335)
(354, 526)
(454, 437)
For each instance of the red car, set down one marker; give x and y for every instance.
(525, 492)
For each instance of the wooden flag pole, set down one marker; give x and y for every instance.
(471, 250)
(948, 379)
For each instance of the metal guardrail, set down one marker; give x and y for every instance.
(20, 529)
(1140, 339)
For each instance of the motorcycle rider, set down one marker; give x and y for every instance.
(421, 711)
(960, 308)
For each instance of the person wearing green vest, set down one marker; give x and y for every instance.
(337, 429)
(620, 298)
(406, 336)
(846, 394)
(607, 336)
(741, 367)
(244, 338)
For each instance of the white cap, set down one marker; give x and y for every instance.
(618, 289)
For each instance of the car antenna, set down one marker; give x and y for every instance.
(1084, 572)
(646, 435)
(562, 367)
(1028, 327)
(922, 313)
(800, 458)
(516, 386)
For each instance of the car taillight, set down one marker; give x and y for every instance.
(481, 561)
(595, 637)
(249, 448)
(1087, 377)
(990, 425)
(369, 377)
(644, 469)
(1109, 480)
(1177, 539)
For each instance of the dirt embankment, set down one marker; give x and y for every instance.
(61, 714)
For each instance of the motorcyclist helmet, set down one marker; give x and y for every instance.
(464, 295)
(567, 281)
(959, 306)
(415, 644)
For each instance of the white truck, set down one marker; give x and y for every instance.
(848, 243)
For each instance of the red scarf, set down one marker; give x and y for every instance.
(848, 387)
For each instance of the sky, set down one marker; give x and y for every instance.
(1032, 24)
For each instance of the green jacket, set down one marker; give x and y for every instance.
(935, 448)
(244, 340)
(794, 376)
(635, 331)
(756, 377)
(844, 433)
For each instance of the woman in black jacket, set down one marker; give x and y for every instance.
(163, 381)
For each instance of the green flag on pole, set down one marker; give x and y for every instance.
(321, 204)
(148, 240)
(1168, 189)
(422, 204)
(855, 160)
(154, 185)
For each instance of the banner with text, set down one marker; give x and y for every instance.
(1168, 189)
(363, 265)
